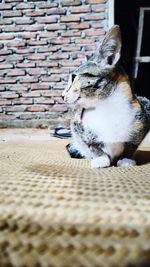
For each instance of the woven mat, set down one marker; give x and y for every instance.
(57, 212)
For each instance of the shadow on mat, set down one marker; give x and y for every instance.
(142, 157)
(53, 170)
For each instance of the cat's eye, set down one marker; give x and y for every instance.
(73, 77)
(110, 60)
(89, 74)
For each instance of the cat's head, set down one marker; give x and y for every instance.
(91, 80)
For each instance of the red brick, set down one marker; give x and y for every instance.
(50, 117)
(22, 102)
(37, 57)
(2, 88)
(28, 116)
(40, 86)
(25, 51)
(95, 33)
(6, 37)
(99, 9)
(79, 26)
(45, 101)
(24, 22)
(47, 20)
(59, 101)
(18, 88)
(36, 72)
(16, 44)
(30, 95)
(70, 18)
(5, 102)
(47, 64)
(56, 27)
(48, 49)
(7, 81)
(38, 42)
(7, 117)
(35, 13)
(95, 1)
(90, 48)
(56, 11)
(29, 80)
(47, 5)
(12, 29)
(79, 55)
(12, 14)
(2, 59)
(97, 25)
(6, 66)
(84, 41)
(34, 28)
(60, 41)
(11, 1)
(9, 96)
(5, 52)
(25, 6)
(27, 35)
(51, 79)
(59, 56)
(71, 3)
(94, 17)
(2, 73)
(71, 34)
(60, 87)
(6, 22)
(59, 71)
(48, 34)
(25, 65)
(84, 9)
(15, 109)
(71, 48)
(16, 73)
(70, 63)
(61, 109)
(14, 58)
(36, 109)
(5, 7)
(52, 94)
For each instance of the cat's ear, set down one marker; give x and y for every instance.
(109, 50)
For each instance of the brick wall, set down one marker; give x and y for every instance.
(40, 43)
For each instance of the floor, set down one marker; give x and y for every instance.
(57, 211)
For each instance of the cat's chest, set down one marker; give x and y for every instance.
(111, 120)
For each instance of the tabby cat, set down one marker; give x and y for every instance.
(109, 121)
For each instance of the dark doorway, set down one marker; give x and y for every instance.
(127, 17)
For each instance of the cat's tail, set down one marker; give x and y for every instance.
(145, 104)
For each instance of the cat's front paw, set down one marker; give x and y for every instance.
(126, 162)
(73, 152)
(100, 162)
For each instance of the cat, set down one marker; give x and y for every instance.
(109, 121)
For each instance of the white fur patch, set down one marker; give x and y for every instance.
(100, 162)
(112, 119)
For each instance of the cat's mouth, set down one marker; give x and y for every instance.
(69, 101)
(77, 100)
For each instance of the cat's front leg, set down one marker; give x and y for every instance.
(100, 159)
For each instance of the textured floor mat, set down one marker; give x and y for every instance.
(57, 212)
